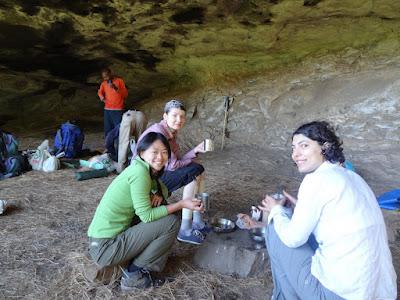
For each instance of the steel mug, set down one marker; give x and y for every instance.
(205, 199)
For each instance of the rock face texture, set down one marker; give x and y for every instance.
(282, 62)
(361, 99)
(51, 51)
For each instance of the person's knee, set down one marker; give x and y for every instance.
(200, 177)
(270, 234)
(100, 261)
(173, 222)
(197, 172)
(176, 223)
(199, 169)
(102, 264)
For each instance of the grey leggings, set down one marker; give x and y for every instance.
(291, 271)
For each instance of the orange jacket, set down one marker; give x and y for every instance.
(114, 99)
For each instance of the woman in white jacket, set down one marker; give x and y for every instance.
(336, 208)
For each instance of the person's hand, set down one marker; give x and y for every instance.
(268, 203)
(103, 100)
(249, 223)
(200, 148)
(192, 204)
(155, 200)
(289, 197)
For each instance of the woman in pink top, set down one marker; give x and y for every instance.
(182, 170)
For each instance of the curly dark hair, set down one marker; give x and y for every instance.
(324, 134)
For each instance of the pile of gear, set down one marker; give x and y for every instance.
(68, 148)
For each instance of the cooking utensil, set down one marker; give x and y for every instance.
(222, 225)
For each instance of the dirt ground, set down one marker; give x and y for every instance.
(43, 234)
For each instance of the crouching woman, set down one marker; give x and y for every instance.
(137, 193)
(349, 257)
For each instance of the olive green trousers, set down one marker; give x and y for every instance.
(147, 245)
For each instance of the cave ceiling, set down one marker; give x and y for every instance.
(162, 47)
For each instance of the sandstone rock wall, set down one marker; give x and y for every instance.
(283, 61)
(52, 49)
(361, 98)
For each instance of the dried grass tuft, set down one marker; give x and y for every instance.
(43, 237)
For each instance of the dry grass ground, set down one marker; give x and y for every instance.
(43, 235)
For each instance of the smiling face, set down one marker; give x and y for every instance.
(156, 155)
(306, 153)
(175, 118)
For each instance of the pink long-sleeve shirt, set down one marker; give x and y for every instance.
(175, 161)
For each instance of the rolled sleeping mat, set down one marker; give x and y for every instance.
(88, 174)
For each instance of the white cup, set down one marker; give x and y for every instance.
(205, 199)
(208, 145)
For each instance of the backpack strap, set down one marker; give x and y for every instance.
(3, 147)
(2, 167)
(59, 138)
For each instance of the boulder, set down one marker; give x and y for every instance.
(232, 254)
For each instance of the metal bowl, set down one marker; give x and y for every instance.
(258, 234)
(222, 225)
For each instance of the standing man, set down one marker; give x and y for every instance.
(113, 93)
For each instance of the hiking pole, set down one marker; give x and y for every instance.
(226, 108)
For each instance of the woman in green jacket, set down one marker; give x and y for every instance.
(135, 194)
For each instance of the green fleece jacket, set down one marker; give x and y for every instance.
(126, 197)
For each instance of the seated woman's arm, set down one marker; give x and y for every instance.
(295, 231)
(186, 159)
(176, 163)
(192, 204)
(140, 193)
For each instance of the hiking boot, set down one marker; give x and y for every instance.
(196, 237)
(159, 281)
(140, 279)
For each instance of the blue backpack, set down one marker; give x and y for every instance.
(390, 200)
(11, 162)
(69, 138)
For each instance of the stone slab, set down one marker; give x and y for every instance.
(232, 254)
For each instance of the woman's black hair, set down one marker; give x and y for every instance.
(323, 133)
(148, 140)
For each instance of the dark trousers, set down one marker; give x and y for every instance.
(111, 119)
(174, 180)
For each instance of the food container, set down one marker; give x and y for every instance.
(222, 225)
